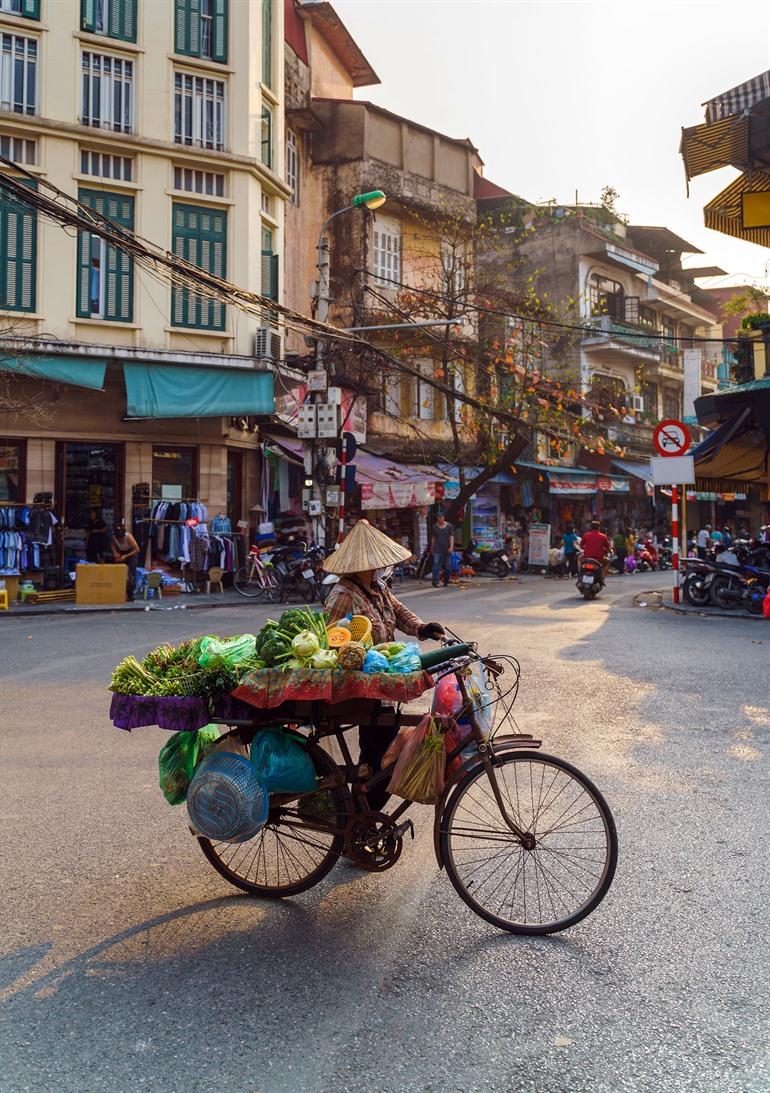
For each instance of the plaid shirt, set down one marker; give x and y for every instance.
(386, 613)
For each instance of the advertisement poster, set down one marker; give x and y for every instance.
(485, 528)
(692, 372)
(539, 544)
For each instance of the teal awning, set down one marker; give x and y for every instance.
(82, 371)
(162, 390)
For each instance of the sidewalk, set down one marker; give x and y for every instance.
(196, 601)
(663, 598)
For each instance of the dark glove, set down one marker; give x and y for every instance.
(430, 630)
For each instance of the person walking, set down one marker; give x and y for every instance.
(620, 547)
(571, 550)
(441, 545)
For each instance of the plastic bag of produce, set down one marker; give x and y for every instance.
(406, 661)
(419, 772)
(178, 759)
(375, 662)
(231, 652)
(281, 763)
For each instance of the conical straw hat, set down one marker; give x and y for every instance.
(365, 548)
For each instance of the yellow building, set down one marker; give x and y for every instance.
(166, 116)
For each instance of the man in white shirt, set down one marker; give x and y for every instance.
(703, 540)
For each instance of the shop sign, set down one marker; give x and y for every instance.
(451, 489)
(402, 494)
(539, 544)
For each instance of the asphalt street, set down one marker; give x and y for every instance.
(127, 963)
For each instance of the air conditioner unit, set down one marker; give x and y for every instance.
(637, 403)
(267, 344)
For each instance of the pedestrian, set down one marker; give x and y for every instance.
(442, 544)
(96, 537)
(727, 537)
(716, 538)
(703, 540)
(556, 558)
(621, 550)
(125, 549)
(571, 549)
(511, 551)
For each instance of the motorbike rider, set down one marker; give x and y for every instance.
(364, 552)
(596, 545)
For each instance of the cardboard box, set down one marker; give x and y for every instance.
(101, 584)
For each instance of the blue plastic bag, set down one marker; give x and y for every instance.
(282, 765)
(408, 660)
(375, 662)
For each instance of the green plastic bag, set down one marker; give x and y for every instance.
(178, 759)
(232, 652)
(282, 764)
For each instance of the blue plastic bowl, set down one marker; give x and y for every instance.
(226, 801)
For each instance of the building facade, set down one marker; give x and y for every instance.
(166, 117)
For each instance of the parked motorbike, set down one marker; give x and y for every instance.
(665, 554)
(696, 587)
(296, 569)
(590, 579)
(486, 561)
(738, 581)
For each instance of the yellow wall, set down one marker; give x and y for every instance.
(60, 138)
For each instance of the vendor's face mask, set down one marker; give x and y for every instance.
(381, 574)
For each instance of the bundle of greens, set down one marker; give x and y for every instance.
(293, 641)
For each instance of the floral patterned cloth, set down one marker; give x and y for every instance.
(386, 613)
(267, 688)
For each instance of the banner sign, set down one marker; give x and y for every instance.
(693, 359)
(539, 544)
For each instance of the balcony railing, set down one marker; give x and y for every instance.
(635, 337)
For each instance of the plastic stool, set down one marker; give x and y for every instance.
(215, 578)
(4, 598)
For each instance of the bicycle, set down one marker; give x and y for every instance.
(527, 840)
(257, 579)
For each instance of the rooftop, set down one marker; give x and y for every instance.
(328, 23)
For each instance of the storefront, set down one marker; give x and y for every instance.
(119, 437)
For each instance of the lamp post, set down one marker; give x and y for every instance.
(373, 199)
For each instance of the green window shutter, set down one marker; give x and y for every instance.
(187, 27)
(219, 50)
(269, 275)
(30, 9)
(200, 237)
(18, 248)
(118, 269)
(88, 15)
(267, 42)
(122, 20)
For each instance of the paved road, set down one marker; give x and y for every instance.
(128, 964)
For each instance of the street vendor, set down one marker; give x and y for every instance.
(364, 553)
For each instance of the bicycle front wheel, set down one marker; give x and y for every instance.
(256, 584)
(571, 865)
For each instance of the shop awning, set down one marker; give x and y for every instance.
(739, 98)
(575, 482)
(167, 391)
(708, 147)
(724, 213)
(636, 470)
(80, 371)
(732, 457)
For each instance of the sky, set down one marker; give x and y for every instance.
(566, 95)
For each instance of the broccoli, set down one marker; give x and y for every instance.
(272, 649)
(293, 620)
(267, 631)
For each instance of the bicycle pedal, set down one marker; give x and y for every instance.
(402, 828)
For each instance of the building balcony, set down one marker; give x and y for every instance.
(621, 337)
(637, 438)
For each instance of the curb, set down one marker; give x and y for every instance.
(687, 609)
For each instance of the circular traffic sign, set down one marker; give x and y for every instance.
(671, 437)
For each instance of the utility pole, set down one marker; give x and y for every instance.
(371, 200)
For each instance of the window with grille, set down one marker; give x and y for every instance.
(269, 265)
(200, 29)
(427, 394)
(199, 182)
(267, 204)
(18, 74)
(199, 111)
(267, 136)
(113, 18)
(457, 378)
(18, 253)
(105, 273)
(386, 251)
(19, 149)
(292, 165)
(105, 165)
(606, 297)
(672, 403)
(267, 43)
(107, 92)
(199, 236)
(27, 9)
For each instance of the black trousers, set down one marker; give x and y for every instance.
(374, 741)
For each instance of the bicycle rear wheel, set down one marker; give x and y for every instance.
(571, 866)
(301, 841)
(256, 583)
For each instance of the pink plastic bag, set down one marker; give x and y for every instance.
(419, 772)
